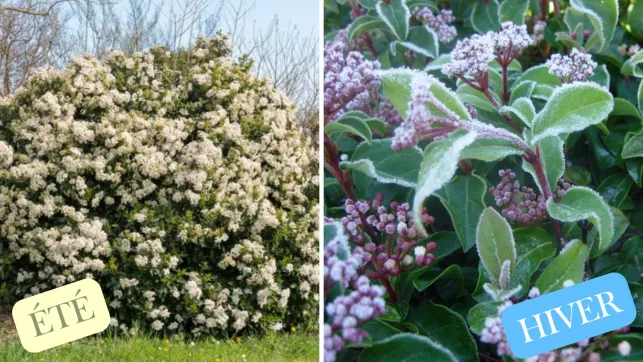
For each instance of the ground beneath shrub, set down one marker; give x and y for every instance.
(284, 347)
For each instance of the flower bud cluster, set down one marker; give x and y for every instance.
(438, 23)
(400, 252)
(388, 113)
(575, 67)
(349, 79)
(494, 333)
(471, 56)
(418, 120)
(347, 312)
(520, 204)
(339, 267)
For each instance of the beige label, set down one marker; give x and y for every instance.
(61, 315)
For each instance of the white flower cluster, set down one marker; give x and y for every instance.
(575, 67)
(185, 196)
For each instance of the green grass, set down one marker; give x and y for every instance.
(280, 347)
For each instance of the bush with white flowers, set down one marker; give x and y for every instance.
(179, 182)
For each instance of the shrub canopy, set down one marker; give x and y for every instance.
(178, 181)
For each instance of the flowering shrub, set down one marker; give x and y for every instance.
(477, 154)
(178, 181)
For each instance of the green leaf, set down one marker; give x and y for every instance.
(479, 313)
(352, 125)
(523, 90)
(377, 330)
(568, 265)
(581, 203)
(578, 176)
(633, 147)
(538, 74)
(621, 222)
(533, 246)
(447, 328)
(495, 243)
(439, 165)
(601, 76)
(523, 108)
(622, 107)
(379, 161)
(514, 11)
(614, 189)
(553, 159)
(364, 24)
(474, 98)
(397, 87)
(603, 16)
(421, 40)
(484, 17)
(438, 62)
(444, 95)
(490, 149)
(572, 107)
(463, 197)
(452, 275)
(611, 354)
(407, 347)
(542, 91)
(396, 15)
(376, 125)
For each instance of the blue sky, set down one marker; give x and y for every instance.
(302, 13)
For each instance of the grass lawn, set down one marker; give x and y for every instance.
(279, 347)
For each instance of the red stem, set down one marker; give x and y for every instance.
(544, 185)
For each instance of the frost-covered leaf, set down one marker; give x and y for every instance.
(623, 107)
(479, 313)
(495, 243)
(553, 159)
(350, 124)
(445, 95)
(484, 16)
(378, 160)
(514, 11)
(542, 91)
(523, 108)
(538, 74)
(572, 107)
(364, 24)
(523, 90)
(603, 16)
(438, 167)
(500, 294)
(463, 197)
(421, 40)
(490, 149)
(432, 319)
(474, 98)
(407, 347)
(601, 76)
(533, 246)
(580, 203)
(621, 222)
(568, 265)
(438, 62)
(633, 147)
(396, 15)
(397, 87)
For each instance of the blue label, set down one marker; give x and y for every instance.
(569, 315)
